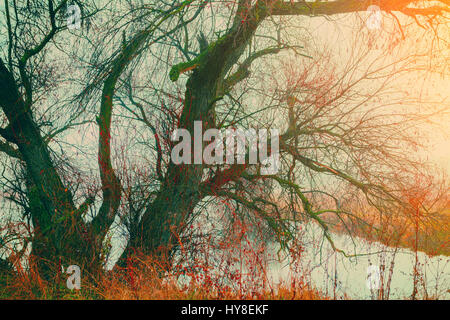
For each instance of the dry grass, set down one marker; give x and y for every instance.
(143, 281)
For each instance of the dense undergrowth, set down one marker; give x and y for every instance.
(145, 281)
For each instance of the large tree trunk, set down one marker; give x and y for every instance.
(60, 235)
(165, 218)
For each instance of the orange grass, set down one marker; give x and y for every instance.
(143, 281)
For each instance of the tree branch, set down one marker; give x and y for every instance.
(329, 8)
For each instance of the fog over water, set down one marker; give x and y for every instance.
(351, 274)
(337, 276)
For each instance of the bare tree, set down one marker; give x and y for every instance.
(61, 235)
(323, 113)
(340, 126)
